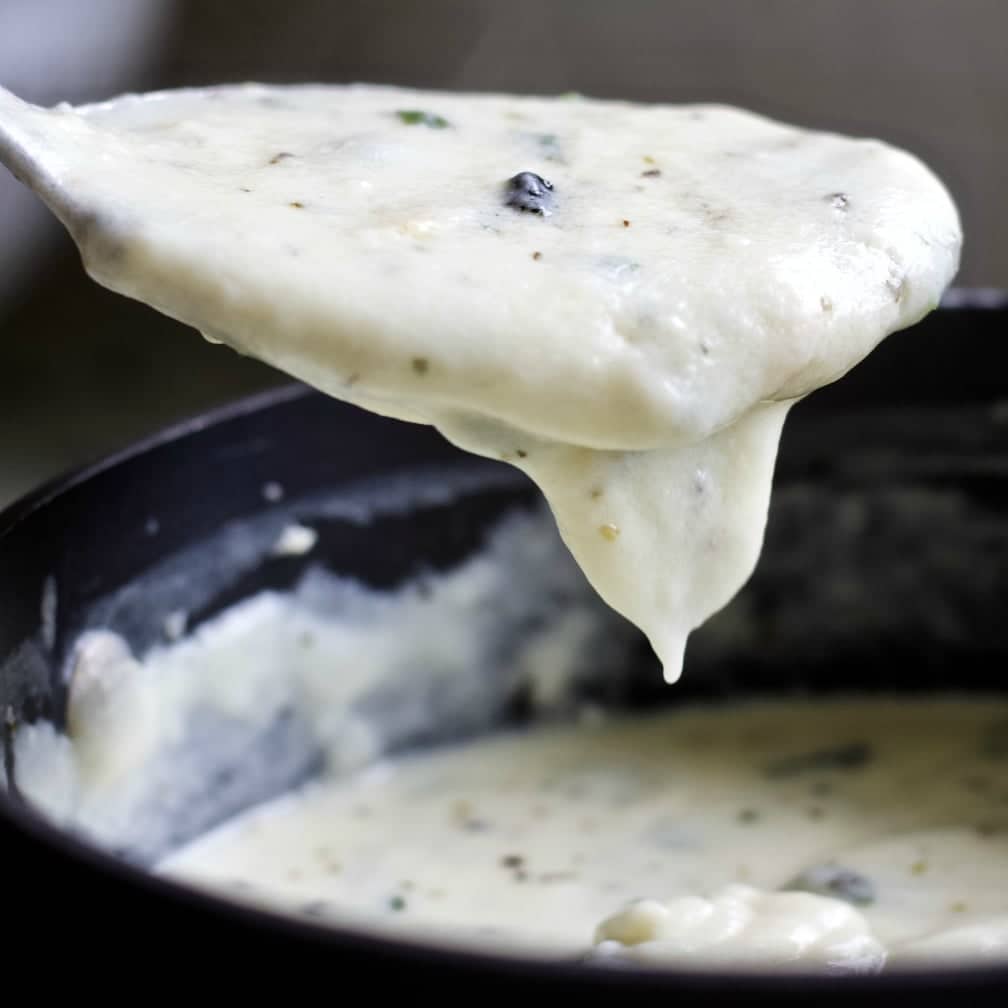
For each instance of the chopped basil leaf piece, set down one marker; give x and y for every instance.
(415, 117)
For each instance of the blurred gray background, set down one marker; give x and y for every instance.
(83, 371)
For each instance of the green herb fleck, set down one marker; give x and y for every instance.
(397, 903)
(421, 365)
(417, 117)
(748, 815)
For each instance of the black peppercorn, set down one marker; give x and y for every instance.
(530, 192)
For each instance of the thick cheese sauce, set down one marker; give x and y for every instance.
(893, 814)
(620, 299)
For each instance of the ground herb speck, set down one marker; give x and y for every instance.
(416, 117)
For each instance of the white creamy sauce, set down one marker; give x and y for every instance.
(634, 348)
(538, 841)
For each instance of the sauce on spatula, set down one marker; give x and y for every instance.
(622, 300)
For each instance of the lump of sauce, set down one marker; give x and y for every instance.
(622, 300)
